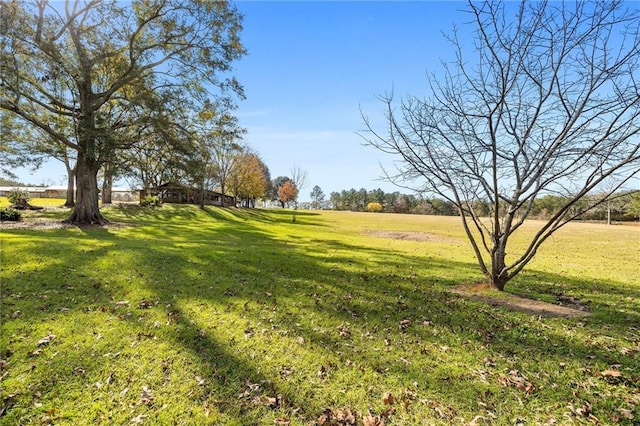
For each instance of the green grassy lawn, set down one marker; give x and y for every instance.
(39, 202)
(239, 317)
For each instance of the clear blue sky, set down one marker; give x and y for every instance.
(311, 66)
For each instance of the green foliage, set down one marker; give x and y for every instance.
(547, 206)
(19, 197)
(151, 201)
(391, 202)
(4, 181)
(9, 214)
(317, 197)
(232, 316)
(623, 206)
(633, 206)
(374, 207)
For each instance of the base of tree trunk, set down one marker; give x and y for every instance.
(498, 287)
(94, 219)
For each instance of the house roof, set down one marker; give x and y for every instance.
(173, 185)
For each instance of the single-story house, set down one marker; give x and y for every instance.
(181, 194)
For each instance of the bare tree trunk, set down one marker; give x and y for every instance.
(107, 186)
(499, 276)
(201, 198)
(71, 179)
(222, 191)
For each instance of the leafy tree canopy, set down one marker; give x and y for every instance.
(99, 67)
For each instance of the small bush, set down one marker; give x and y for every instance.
(151, 201)
(9, 214)
(374, 207)
(19, 198)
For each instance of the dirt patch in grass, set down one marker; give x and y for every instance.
(566, 307)
(411, 236)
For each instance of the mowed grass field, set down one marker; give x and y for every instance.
(182, 316)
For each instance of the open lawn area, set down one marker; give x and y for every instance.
(183, 316)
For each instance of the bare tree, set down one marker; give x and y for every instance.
(299, 177)
(547, 101)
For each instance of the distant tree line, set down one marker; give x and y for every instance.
(391, 202)
(622, 206)
(625, 206)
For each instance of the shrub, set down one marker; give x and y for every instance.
(374, 207)
(19, 198)
(151, 201)
(7, 213)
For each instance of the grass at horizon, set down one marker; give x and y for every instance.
(235, 316)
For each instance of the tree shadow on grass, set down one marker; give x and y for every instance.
(213, 295)
(175, 213)
(28, 299)
(298, 284)
(264, 215)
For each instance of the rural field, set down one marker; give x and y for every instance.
(182, 316)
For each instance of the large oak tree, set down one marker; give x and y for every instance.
(100, 53)
(545, 99)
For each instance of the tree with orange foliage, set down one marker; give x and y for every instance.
(288, 192)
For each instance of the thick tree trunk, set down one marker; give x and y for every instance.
(71, 189)
(86, 210)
